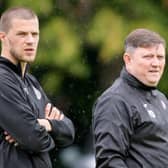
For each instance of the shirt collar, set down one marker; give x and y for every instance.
(15, 68)
(131, 80)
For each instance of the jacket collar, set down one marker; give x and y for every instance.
(131, 80)
(13, 67)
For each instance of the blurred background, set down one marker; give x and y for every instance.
(80, 55)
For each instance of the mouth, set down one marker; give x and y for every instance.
(29, 50)
(154, 72)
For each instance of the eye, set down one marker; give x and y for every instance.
(148, 56)
(160, 57)
(21, 34)
(34, 34)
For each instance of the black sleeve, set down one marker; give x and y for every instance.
(112, 130)
(18, 119)
(63, 131)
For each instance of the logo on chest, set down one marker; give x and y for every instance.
(150, 112)
(37, 93)
(26, 90)
(150, 109)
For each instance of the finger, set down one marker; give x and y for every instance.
(57, 114)
(48, 109)
(53, 113)
(5, 132)
(9, 139)
(61, 116)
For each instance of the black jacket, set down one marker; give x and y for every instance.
(22, 101)
(130, 123)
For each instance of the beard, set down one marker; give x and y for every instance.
(20, 57)
(14, 54)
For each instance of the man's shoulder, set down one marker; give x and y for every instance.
(6, 74)
(117, 88)
(118, 92)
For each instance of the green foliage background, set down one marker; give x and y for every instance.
(81, 47)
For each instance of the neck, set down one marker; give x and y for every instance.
(23, 67)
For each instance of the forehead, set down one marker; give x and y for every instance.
(25, 24)
(154, 49)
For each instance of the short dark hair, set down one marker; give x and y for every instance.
(143, 38)
(12, 13)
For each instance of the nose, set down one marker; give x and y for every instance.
(29, 39)
(155, 61)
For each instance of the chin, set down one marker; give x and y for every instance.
(30, 60)
(153, 84)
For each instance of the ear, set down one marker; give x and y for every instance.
(2, 35)
(127, 58)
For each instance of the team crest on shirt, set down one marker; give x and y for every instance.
(26, 90)
(150, 112)
(37, 93)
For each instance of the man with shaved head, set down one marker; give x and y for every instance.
(30, 126)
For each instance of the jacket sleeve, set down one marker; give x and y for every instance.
(112, 131)
(18, 119)
(62, 132)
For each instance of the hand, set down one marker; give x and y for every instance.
(9, 138)
(45, 123)
(53, 113)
